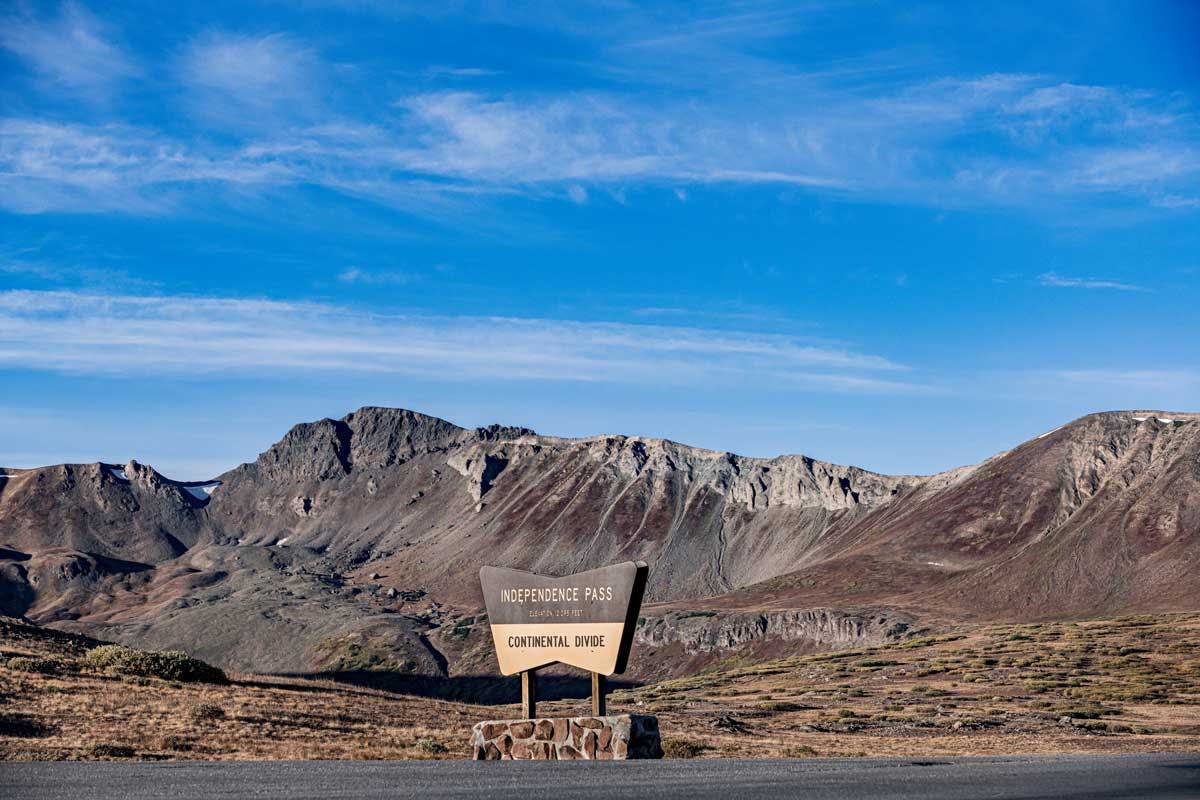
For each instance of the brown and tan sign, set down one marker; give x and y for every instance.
(585, 620)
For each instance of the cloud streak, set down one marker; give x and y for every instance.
(375, 277)
(118, 335)
(1054, 279)
(95, 169)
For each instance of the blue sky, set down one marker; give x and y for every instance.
(900, 236)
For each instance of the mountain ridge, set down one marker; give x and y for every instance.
(372, 526)
(497, 430)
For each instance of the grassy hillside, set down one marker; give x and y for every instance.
(1119, 685)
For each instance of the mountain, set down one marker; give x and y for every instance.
(354, 544)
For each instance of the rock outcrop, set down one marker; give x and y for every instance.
(821, 628)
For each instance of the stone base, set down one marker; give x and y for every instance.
(613, 738)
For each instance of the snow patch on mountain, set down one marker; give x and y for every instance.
(203, 491)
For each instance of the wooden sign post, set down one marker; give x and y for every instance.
(586, 620)
(599, 701)
(529, 694)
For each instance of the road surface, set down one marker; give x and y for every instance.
(1050, 777)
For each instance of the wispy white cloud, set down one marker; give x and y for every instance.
(62, 167)
(47, 272)
(28, 268)
(1054, 279)
(32, 262)
(375, 277)
(238, 78)
(119, 335)
(461, 72)
(1044, 140)
(1052, 109)
(725, 313)
(495, 140)
(73, 50)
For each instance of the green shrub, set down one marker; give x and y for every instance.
(799, 751)
(430, 747)
(1081, 713)
(42, 666)
(683, 748)
(1089, 724)
(783, 705)
(170, 665)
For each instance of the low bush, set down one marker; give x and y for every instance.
(430, 747)
(170, 665)
(41, 666)
(799, 751)
(1090, 724)
(783, 705)
(683, 748)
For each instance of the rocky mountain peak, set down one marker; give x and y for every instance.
(311, 450)
(381, 437)
(369, 438)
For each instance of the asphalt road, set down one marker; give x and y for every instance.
(1052, 777)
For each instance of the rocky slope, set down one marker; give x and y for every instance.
(354, 544)
(1100, 515)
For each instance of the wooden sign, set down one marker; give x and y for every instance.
(585, 620)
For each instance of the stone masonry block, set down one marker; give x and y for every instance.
(615, 737)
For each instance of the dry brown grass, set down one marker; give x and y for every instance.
(1119, 685)
(87, 714)
(1123, 685)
